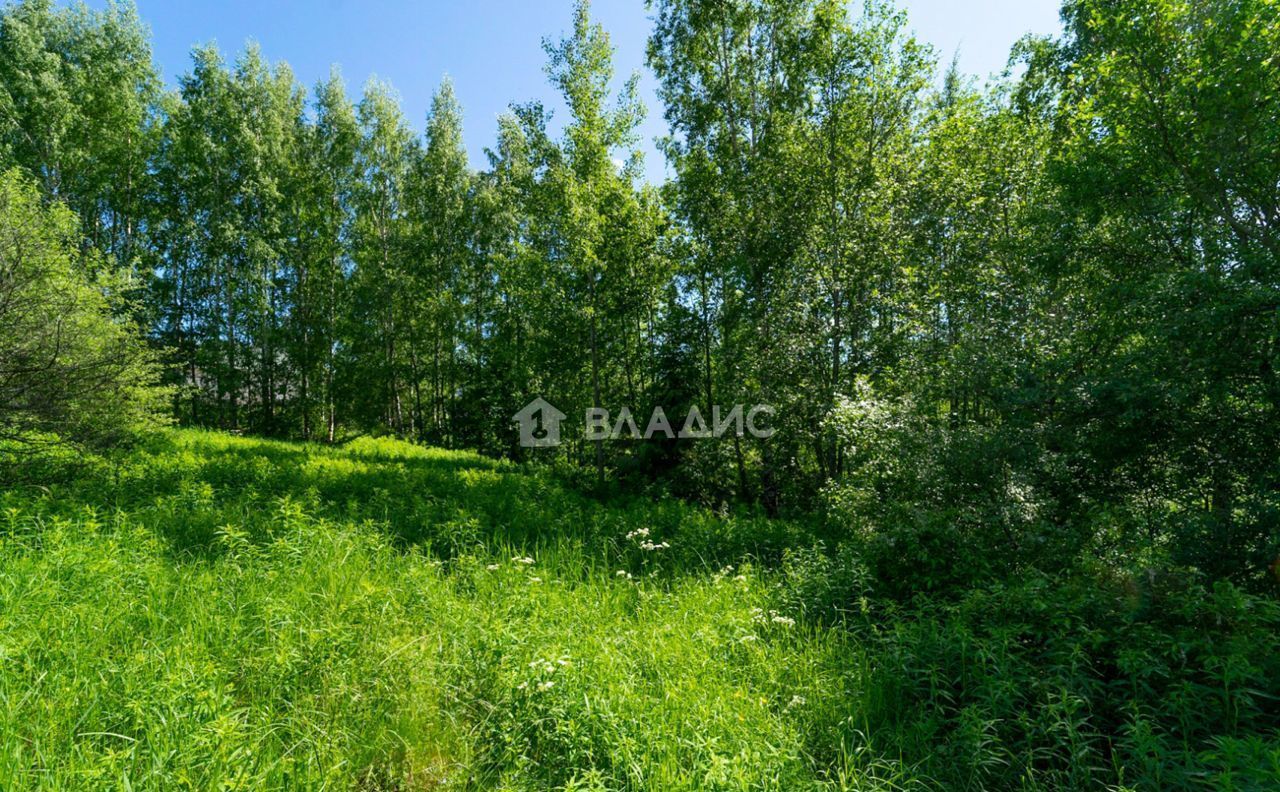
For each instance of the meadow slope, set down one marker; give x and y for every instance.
(215, 612)
(209, 612)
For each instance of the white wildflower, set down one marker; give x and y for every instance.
(759, 616)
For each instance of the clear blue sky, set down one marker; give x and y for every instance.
(492, 48)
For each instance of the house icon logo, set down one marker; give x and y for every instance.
(539, 424)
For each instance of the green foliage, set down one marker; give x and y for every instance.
(77, 89)
(226, 234)
(214, 612)
(1081, 682)
(1065, 281)
(70, 366)
(1171, 159)
(1022, 340)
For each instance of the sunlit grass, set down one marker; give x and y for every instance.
(211, 612)
(217, 612)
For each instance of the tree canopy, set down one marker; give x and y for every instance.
(1037, 317)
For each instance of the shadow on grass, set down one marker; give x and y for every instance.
(191, 487)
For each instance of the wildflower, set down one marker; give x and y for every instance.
(493, 567)
(784, 620)
(622, 573)
(547, 685)
(525, 560)
(796, 701)
(639, 533)
(535, 580)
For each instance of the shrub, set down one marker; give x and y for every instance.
(70, 366)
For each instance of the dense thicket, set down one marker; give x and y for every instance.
(1023, 342)
(72, 365)
(1031, 321)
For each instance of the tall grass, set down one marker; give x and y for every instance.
(210, 612)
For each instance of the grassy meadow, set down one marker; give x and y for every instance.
(947, 404)
(210, 612)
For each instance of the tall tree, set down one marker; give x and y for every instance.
(321, 293)
(593, 244)
(381, 297)
(77, 96)
(439, 213)
(1169, 170)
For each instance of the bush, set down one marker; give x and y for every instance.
(1084, 682)
(70, 366)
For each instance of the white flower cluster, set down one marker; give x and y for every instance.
(641, 536)
(759, 616)
(543, 668)
(519, 560)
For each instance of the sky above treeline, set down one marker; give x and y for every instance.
(493, 48)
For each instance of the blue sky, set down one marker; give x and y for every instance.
(492, 49)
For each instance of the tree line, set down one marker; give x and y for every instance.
(1035, 317)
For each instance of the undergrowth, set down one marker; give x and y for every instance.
(209, 612)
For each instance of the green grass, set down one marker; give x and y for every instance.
(222, 613)
(208, 612)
